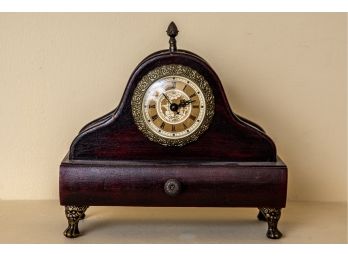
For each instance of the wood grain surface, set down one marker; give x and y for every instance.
(229, 138)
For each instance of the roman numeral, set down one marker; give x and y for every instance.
(174, 84)
(194, 94)
(195, 106)
(185, 127)
(192, 117)
(152, 106)
(162, 125)
(173, 128)
(184, 88)
(154, 117)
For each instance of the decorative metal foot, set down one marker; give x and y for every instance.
(74, 214)
(261, 217)
(272, 216)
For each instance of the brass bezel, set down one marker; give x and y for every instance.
(164, 71)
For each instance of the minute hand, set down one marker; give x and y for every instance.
(167, 98)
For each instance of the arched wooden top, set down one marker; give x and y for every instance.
(114, 136)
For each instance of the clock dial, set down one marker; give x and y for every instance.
(173, 105)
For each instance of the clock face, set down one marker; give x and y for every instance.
(173, 105)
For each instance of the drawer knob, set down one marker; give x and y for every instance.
(172, 187)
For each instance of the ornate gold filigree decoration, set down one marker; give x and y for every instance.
(164, 71)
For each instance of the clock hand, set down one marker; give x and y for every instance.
(190, 101)
(173, 106)
(167, 98)
(183, 103)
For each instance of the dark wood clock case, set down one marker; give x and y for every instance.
(232, 164)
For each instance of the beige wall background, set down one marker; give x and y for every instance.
(285, 71)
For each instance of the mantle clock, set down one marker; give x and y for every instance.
(173, 141)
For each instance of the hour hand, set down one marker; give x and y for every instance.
(183, 103)
(189, 101)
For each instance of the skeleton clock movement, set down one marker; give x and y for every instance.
(173, 141)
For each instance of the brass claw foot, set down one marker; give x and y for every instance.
(72, 231)
(261, 217)
(272, 216)
(74, 214)
(274, 233)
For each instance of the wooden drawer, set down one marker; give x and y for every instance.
(142, 184)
